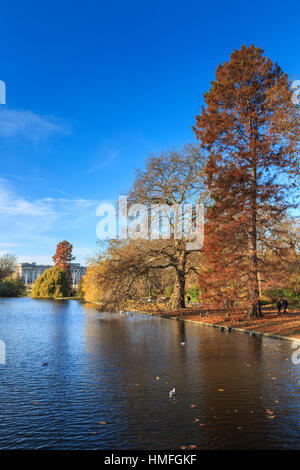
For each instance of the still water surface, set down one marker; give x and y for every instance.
(232, 391)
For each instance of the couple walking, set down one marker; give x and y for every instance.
(284, 304)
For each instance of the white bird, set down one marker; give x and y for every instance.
(182, 343)
(172, 393)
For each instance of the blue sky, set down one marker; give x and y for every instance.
(94, 87)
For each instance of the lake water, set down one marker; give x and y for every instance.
(79, 379)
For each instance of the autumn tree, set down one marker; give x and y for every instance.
(171, 179)
(52, 284)
(8, 263)
(283, 273)
(94, 284)
(157, 253)
(63, 257)
(126, 274)
(250, 129)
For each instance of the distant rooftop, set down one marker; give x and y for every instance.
(35, 265)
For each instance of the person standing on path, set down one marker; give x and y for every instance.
(279, 305)
(285, 305)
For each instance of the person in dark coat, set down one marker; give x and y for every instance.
(279, 305)
(285, 305)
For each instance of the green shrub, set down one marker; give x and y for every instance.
(10, 287)
(52, 284)
(265, 302)
(80, 291)
(169, 291)
(193, 292)
(291, 295)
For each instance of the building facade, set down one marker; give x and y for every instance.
(29, 272)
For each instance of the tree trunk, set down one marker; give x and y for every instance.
(254, 306)
(177, 299)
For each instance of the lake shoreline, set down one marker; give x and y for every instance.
(284, 327)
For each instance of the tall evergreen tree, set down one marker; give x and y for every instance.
(250, 129)
(63, 257)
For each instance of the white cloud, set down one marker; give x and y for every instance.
(13, 205)
(9, 245)
(104, 159)
(29, 125)
(36, 225)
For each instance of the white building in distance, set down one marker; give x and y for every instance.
(29, 272)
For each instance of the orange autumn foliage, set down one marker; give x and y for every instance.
(250, 128)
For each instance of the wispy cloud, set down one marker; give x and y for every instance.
(103, 159)
(14, 205)
(38, 224)
(9, 245)
(29, 125)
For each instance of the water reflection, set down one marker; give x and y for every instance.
(108, 375)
